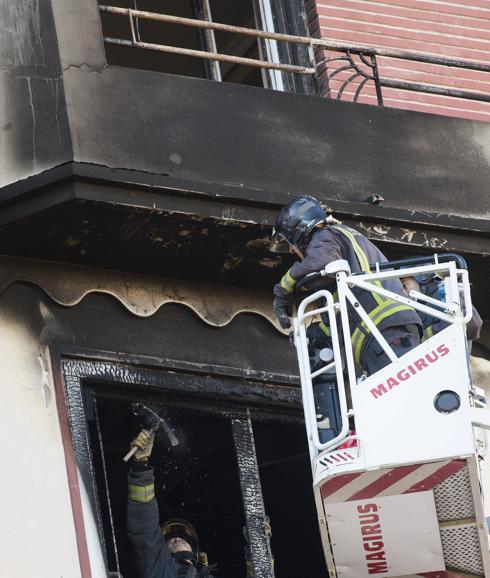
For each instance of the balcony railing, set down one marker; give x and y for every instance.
(356, 66)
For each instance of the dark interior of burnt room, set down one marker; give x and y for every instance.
(199, 481)
(180, 246)
(237, 13)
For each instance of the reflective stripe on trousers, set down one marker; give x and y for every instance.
(428, 333)
(385, 308)
(377, 315)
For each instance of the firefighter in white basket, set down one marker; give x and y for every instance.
(303, 229)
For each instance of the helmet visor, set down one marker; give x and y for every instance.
(177, 528)
(278, 243)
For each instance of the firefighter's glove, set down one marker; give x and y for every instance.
(283, 306)
(144, 443)
(268, 527)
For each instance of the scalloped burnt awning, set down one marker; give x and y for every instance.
(216, 305)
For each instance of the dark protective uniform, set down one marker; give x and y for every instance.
(400, 324)
(434, 288)
(153, 560)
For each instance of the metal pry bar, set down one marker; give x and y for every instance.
(160, 422)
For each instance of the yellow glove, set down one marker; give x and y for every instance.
(144, 443)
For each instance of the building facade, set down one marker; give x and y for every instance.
(139, 184)
(455, 31)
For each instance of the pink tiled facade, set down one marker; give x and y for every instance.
(450, 29)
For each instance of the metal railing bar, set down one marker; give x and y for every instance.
(338, 70)
(432, 59)
(362, 56)
(323, 60)
(400, 55)
(138, 35)
(213, 56)
(196, 23)
(131, 27)
(320, 43)
(415, 87)
(211, 42)
(361, 86)
(317, 42)
(355, 66)
(346, 82)
(377, 84)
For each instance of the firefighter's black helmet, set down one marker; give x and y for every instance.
(179, 528)
(295, 223)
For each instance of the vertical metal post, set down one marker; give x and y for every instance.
(138, 35)
(253, 503)
(377, 83)
(211, 42)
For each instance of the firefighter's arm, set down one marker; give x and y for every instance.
(143, 527)
(435, 327)
(283, 300)
(322, 250)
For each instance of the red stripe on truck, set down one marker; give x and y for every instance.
(383, 482)
(336, 483)
(436, 478)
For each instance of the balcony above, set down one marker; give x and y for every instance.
(105, 165)
(214, 39)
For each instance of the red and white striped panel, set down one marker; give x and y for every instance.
(435, 575)
(391, 482)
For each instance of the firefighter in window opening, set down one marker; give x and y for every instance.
(432, 285)
(303, 228)
(167, 551)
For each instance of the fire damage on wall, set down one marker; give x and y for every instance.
(136, 211)
(241, 453)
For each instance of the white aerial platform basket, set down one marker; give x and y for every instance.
(406, 499)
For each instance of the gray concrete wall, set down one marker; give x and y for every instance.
(255, 144)
(34, 133)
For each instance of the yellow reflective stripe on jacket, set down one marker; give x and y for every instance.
(287, 282)
(428, 333)
(361, 257)
(377, 315)
(142, 494)
(323, 326)
(325, 329)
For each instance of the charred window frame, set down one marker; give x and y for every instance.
(290, 18)
(82, 379)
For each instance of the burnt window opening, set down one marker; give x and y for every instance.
(202, 480)
(197, 480)
(283, 16)
(284, 469)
